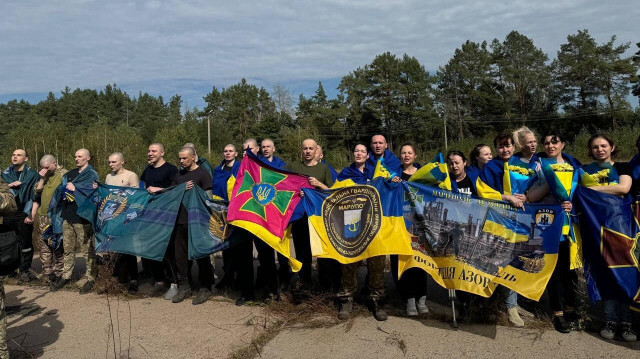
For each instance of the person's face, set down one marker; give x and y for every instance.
(601, 149)
(186, 159)
(309, 150)
(50, 167)
(505, 150)
(268, 149)
(18, 157)
(484, 156)
(530, 144)
(553, 147)
(407, 155)
(155, 154)
(230, 153)
(251, 146)
(115, 163)
(456, 165)
(360, 154)
(319, 154)
(378, 145)
(81, 158)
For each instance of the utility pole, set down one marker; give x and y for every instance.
(446, 148)
(209, 133)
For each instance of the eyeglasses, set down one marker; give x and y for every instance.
(554, 142)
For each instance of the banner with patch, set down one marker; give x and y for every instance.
(610, 248)
(356, 222)
(263, 201)
(209, 231)
(471, 244)
(130, 220)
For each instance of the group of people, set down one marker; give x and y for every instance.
(478, 174)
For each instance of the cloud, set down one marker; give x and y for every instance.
(49, 45)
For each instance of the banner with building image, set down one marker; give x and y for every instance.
(471, 244)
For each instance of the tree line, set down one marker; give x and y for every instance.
(485, 88)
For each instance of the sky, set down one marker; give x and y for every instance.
(186, 47)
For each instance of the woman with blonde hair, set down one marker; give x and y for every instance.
(527, 144)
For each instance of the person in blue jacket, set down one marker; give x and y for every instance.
(379, 149)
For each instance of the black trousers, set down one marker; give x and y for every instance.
(205, 269)
(329, 270)
(126, 267)
(238, 263)
(563, 282)
(25, 234)
(268, 269)
(301, 242)
(412, 284)
(156, 268)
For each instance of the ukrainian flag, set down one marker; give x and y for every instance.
(508, 228)
(356, 222)
(434, 173)
(382, 170)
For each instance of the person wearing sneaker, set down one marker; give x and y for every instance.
(494, 187)
(563, 283)
(158, 175)
(359, 173)
(77, 232)
(126, 264)
(412, 286)
(618, 182)
(192, 175)
(51, 253)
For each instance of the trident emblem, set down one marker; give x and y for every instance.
(263, 193)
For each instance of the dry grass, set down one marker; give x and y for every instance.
(315, 312)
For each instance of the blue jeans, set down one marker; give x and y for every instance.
(511, 297)
(616, 311)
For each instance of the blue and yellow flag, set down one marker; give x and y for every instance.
(356, 222)
(471, 244)
(598, 174)
(434, 173)
(509, 228)
(610, 248)
(382, 170)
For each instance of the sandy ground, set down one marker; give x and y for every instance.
(64, 324)
(67, 325)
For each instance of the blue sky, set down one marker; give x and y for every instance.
(186, 47)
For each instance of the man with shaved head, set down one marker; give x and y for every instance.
(77, 232)
(379, 150)
(267, 273)
(200, 161)
(51, 252)
(193, 175)
(319, 177)
(126, 264)
(21, 180)
(158, 175)
(252, 145)
(267, 150)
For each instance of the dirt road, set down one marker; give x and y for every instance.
(68, 325)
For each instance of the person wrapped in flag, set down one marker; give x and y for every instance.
(525, 141)
(479, 156)
(412, 286)
(605, 175)
(560, 172)
(506, 178)
(382, 160)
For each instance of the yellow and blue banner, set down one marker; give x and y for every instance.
(499, 177)
(434, 173)
(610, 248)
(356, 222)
(471, 244)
